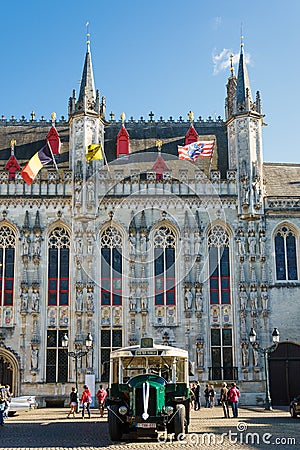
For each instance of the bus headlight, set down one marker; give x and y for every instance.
(169, 410)
(123, 410)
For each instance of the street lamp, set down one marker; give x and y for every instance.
(77, 354)
(265, 351)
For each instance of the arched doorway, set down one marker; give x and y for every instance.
(9, 370)
(284, 365)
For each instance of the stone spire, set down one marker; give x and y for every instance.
(231, 90)
(243, 90)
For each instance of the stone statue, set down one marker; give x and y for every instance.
(24, 299)
(34, 358)
(200, 354)
(132, 303)
(256, 191)
(188, 299)
(132, 239)
(25, 245)
(264, 299)
(79, 298)
(241, 244)
(253, 299)
(37, 245)
(143, 243)
(243, 298)
(245, 354)
(186, 243)
(197, 243)
(262, 244)
(199, 300)
(252, 243)
(245, 192)
(91, 192)
(35, 298)
(90, 300)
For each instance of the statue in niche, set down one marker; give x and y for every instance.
(24, 298)
(255, 357)
(198, 300)
(90, 299)
(253, 299)
(90, 244)
(37, 244)
(243, 298)
(200, 354)
(132, 239)
(186, 243)
(241, 244)
(91, 192)
(79, 298)
(256, 191)
(262, 244)
(89, 359)
(188, 299)
(143, 243)
(245, 354)
(197, 244)
(245, 191)
(132, 303)
(252, 243)
(78, 192)
(25, 245)
(144, 303)
(264, 298)
(34, 358)
(35, 299)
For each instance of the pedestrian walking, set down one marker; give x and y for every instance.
(73, 403)
(197, 393)
(3, 404)
(206, 396)
(8, 400)
(101, 396)
(86, 400)
(234, 395)
(224, 400)
(211, 394)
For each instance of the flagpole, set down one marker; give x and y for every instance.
(53, 116)
(104, 157)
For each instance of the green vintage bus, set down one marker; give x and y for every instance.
(148, 390)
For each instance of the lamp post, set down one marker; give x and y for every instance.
(265, 351)
(77, 354)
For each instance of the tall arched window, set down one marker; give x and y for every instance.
(7, 265)
(111, 294)
(111, 267)
(286, 254)
(58, 267)
(219, 269)
(164, 266)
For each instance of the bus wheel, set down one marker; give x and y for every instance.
(179, 421)
(114, 424)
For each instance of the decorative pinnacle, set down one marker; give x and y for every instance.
(159, 145)
(191, 116)
(87, 34)
(122, 116)
(242, 37)
(231, 64)
(53, 117)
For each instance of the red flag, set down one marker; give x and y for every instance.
(53, 140)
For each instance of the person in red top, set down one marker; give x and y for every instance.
(101, 396)
(86, 400)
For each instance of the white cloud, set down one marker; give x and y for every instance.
(221, 61)
(217, 22)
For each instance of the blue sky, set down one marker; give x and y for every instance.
(165, 56)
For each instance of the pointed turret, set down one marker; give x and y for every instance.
(243, 90)
(12, 165)
(87, 93)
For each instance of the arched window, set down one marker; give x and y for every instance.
(58, 267)
(219, 268)
(285, 254)
(164, 266)
(111, 267)
(7, 265)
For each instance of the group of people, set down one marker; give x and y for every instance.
(86, 400)
(5, 399)
(228, 397)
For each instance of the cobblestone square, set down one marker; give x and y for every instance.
(255, 428)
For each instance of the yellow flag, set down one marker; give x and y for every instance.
(94, 152)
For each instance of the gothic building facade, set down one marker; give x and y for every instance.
(141, 243)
